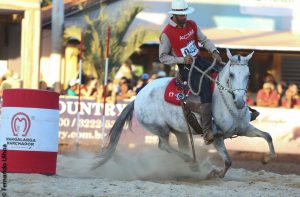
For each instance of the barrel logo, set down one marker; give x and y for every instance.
(20, 124)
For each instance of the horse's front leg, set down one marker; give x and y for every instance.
(220, 146)
(255, 132)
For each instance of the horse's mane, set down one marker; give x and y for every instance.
(224, 74)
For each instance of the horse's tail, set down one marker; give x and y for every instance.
(115, 133)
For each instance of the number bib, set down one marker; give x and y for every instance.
(190, 49)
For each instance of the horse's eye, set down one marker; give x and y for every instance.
(231, 75)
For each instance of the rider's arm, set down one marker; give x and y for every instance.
(207, 43)
(165, 50)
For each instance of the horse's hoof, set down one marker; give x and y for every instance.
(265, 160)
(221, 174)
(213, 174)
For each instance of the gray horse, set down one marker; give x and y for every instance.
(230, 114)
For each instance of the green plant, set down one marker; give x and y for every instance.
(46, 2)
(95, 38)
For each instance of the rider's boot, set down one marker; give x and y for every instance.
(206, 122)
(253, 114)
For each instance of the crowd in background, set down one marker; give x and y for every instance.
(126, 85)
(273, 94)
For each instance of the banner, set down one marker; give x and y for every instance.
(91, 122)
(282, 124)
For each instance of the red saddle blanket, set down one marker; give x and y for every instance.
(172, 91)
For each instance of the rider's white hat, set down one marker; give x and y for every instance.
(180, 7)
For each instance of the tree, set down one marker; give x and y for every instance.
(95, 38)
(46, 3)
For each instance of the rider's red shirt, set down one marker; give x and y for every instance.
(184, 40)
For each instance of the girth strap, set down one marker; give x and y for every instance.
(181, 83)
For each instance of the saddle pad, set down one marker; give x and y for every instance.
(171, 93)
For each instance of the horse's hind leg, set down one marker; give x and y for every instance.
(255, 132)
(182, 141)
(164, 145)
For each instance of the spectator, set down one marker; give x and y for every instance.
(269, 78)
(110, 92)
(43, 85)
(152, 77)
(4, 85)
(161, 74)
(58, 87)
(124, 91)
(267, 97)
(249, 100)
(281, 88)
(142, 83)
(89, 86)
(291, 98)
(125, 71)
(73, 87)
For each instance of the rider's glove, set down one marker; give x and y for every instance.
(216, 55)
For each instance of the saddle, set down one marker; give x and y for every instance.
(177, 93)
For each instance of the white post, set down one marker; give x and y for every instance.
(104, 87)
(79, 107)
(57, 29)
(79, 92)
(103, 115)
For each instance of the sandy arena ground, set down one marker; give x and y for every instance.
(152, 172)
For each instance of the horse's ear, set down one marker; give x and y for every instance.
(228, 54)
(249, 56)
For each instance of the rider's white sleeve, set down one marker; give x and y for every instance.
(207, 43)
(166, 55)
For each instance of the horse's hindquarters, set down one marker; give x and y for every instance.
(153, 112)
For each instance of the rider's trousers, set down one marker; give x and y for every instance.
(205, 92)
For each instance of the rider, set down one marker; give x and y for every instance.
(178, 45)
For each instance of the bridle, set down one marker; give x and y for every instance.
(221, 87)
(230, 84)
(233, 114)
(205, 73)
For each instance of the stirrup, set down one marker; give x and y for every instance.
(254, 115)
(208, 141)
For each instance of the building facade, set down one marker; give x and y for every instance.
(20, 30)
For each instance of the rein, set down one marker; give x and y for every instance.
(236, 117)
(229, 84)
(204, 73)
(221, 88)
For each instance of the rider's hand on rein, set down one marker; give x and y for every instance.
(188, 59)
(217, 56)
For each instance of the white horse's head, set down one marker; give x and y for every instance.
(238, 75)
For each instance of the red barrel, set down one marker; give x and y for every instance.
(29, 131)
